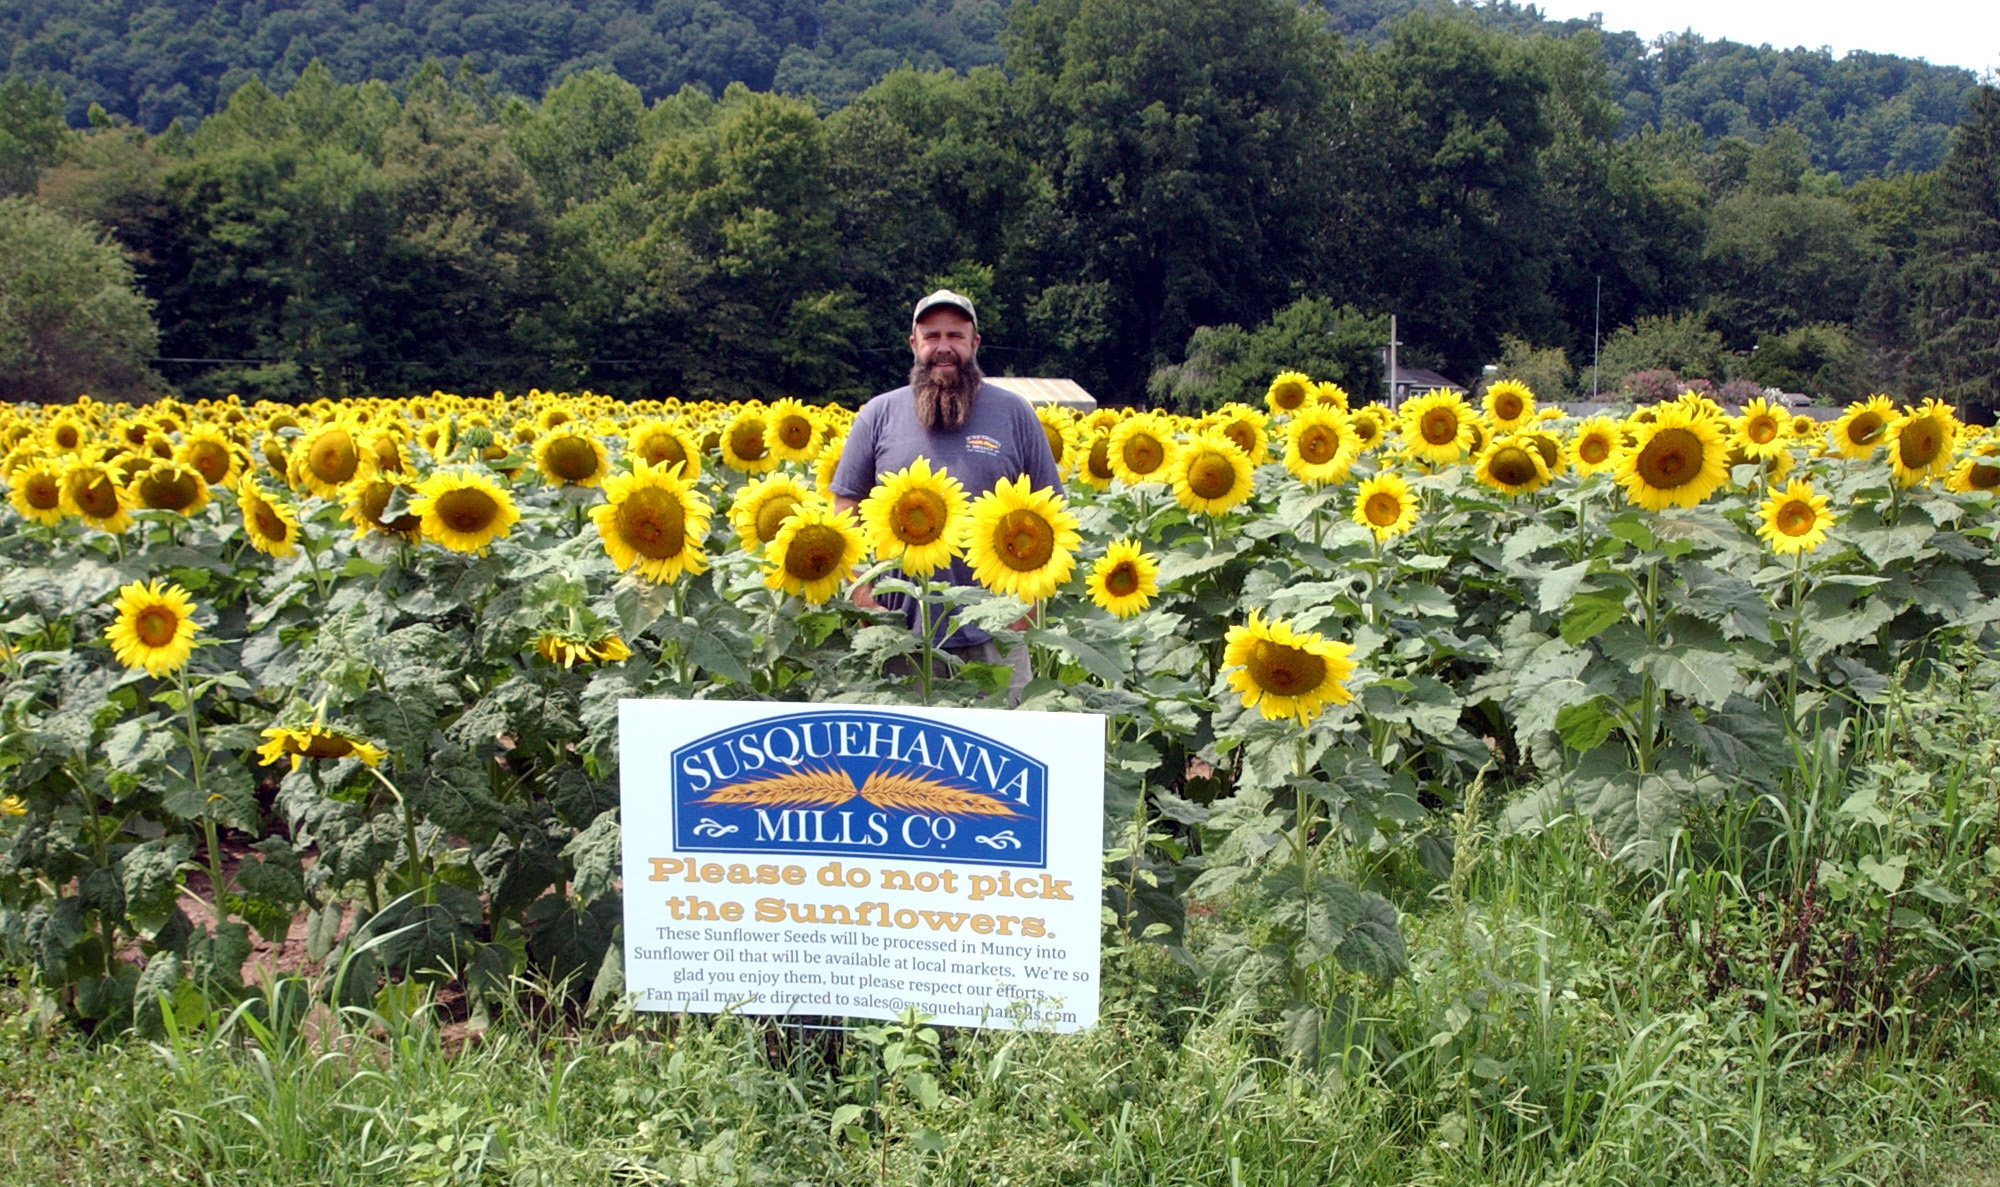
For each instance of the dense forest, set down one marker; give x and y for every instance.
(1159, 198)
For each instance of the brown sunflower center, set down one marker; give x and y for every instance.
(1210, 476)
(1982, 477)
(1511, 466)
(571, 458)
(1284, 670)
(1383, 509)
(1242, 436)
(1866, 429)
(1439, 426)
(1319, 443)
(318, 745)
(795, 431)
(43, 492)
(1796, 518)
(1919, 443)
(746, 440)
(467, 510)
(1123, 580)
(664, 449)
(815, 551)
(210, 458)
(1672, 458)
(387, 455)
(156, 626)
(1143, 453)
(95, 494)
(1594, 448)
(1055, 441)
(168, 490)
(653, 522)
(917, 516)
(1507, 406)
(1365, 429)
(334, 457)
(1761, 430)
(1289, 396)
(772, 514)
(68, 437)
(270, 525)
(1024, 541)
(1100, 460)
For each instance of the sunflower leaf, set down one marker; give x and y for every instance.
(1099, 664)
(594, 855)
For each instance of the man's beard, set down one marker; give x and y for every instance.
(944, 399)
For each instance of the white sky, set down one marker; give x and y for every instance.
(1945, 32)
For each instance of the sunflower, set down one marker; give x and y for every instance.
(1321, 445)
(1140, 449)
(463, 510)
(762, 507)
(1328, 394)
(155, 627)
(1510, 404)
(815, 550)
(36, 491)
(1094, 468)
(170, 486)
(1210, 474)
(1246, 429)
(1124, 580)
(1286, 673)
(1368, 424)
(1920, 442)
(1805, 428)
(828, 465)
(13, 805)
(90, 491)
(211, 452)
(1764, 432)
(1795, 519)
(1385, 505)
(368, 507)
(273, 527)
(1060, 428)
(917, 518)
(570, 650)
(1288, 392)
(67, 433)
(1023, 541)
(1980, 471)
(1512, 465)
(1437, 427)
(1594, 447)
(1550, 446)
(746, 443)
(653, 519)
(663, 444)
(1678, 460)
(1862, 428)
(570, 458)
(387, 446)
(328, 458)
(795, 432)
(316, 742)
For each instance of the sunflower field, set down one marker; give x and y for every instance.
(347, 673)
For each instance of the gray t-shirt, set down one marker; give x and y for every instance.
(1002, 438)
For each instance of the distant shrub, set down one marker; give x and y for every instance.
(1650, 387)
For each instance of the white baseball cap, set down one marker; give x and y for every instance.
(945, 297)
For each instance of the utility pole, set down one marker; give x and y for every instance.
(1393, 344)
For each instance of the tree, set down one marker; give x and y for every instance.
(1823, 360)
(1958, 355)
(1774, 262)
(1682, 344)
(31, 132)
(70, 321)
(1312, 334)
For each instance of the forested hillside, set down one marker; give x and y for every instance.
(151, 62)
(1160, 198)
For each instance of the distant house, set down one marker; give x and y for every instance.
(1415, 381)
(1064, 392)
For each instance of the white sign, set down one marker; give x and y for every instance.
(856, 861)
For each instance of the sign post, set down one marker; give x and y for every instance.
(855, 861)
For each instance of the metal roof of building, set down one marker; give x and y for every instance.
(1066, 392)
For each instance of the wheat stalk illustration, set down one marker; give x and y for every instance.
(805, 788)
(914, 793)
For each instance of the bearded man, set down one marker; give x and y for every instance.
(950, 415)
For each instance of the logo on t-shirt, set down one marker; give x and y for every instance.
(981, 443)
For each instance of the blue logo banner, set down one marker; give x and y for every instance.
(861, 783)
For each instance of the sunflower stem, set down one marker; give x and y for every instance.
(929, 645)
(1649, 690)
(198, 770)
(1792, 640)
